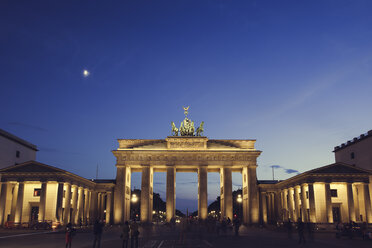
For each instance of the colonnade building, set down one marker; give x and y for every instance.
(33, 191)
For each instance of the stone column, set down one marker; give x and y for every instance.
(122, 195)
(312, 203)
(226, 193)
(79, 205)
(253, 195)
(367, 200)
(286, 197)
(297, 202)
(146, 194)
(74, 203)
(269, 207)
(66, 214)
(277, 205)
(328, 203)
(42, 203)
(19, 205)
(290, 204)
(304, 203)
(3, 197)
(14, 202)
(102, 204)
(283, 208)
(86, 205)
(59, 202)
(108, 208)
(356, 202)
(264, 207)
(171, 193)
(202, 193)
(350, 200)
(245, 196)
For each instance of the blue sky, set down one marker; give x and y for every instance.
(295, 75)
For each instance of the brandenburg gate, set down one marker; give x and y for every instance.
(186, 151)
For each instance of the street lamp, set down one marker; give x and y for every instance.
(239, 199)
(134, 198)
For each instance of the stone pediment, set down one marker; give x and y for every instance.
(31, 166)
(338, 168)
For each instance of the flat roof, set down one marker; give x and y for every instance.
(18, 140)
(353, 141)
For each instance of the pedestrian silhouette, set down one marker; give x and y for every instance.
(125, 234)
(300, 229)
(134, 233)
(70, 232)
(97, 231)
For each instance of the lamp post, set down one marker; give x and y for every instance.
(134, 200)
(239, 200)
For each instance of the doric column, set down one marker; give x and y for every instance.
(304, 203)
(367, 200)
(99, 205)
(202, 193)
(253, 195)
(268, 203)
(102, 203)
(312, 203)
(146, 194)
(350, 200)
(245, 196)
(122, 194)
(290, 204)
(108, 207)
(86, 205)
(356, 201)
(286, 197)
(283, 206)
(226, 193)
(328, 203)
(74, 203)
(171, 193)
(3, 197)
(297, 202)
(66, 214)
(42, 203)
(14, 202)
(264, 207)
(59, 202)
(79, 208)
(19, 205)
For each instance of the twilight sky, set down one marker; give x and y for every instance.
(295, 75)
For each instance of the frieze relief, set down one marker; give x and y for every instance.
(191, 157)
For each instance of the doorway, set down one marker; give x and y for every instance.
(336, 214)
(34, 216)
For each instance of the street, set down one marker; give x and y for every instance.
(165, 237)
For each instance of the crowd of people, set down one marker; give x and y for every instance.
(223, 226)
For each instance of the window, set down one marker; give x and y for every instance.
(37, 192)
(333, 192)
(352, 155)
(307, 194)
(18, 154)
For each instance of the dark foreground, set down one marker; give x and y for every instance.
(164, 237)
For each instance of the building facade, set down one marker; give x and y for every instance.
(357, 152)
(34, 192)
(14, 150)
(330, 194)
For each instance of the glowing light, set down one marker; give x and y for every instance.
(86, 73)
(134, 198)
(153, 212)
(239, 199)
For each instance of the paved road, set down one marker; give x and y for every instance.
(163, 237)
